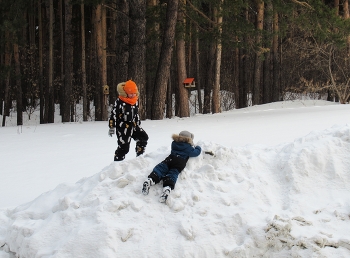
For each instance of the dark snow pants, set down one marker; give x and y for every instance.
(125, 133)
(168, 170)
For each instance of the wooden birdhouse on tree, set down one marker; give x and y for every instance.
(189, 83)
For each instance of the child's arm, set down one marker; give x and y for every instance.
(196, 151)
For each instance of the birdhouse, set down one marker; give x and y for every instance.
(105, 89)
(189, 83)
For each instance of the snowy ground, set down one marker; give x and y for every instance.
(278, 186)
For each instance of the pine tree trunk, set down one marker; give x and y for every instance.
(209, 78)
(83, 67)
(181, 68)
(267, 85)
(104, 63)
(18, 85)
(164, 64)
(122, 41)
(275, 59)
(152, 57)
(169, 100)
(112, 60)
(50, 100)
(346, 17)
(198, 85)
(61, 91)
(98, 40)
(41, 87)
(68, 64)
(137, 50)
(216, 87)
(258, 59)
(236, 68)
(7, 63)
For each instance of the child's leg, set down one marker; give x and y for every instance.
(141, 138)
(124, 138)
(171, 178)
(151, 180)
(155, 177)
(169, 182)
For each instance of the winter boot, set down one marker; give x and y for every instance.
(146, 185)
(165, 194)
(118, 156)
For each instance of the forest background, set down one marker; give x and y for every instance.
(239, 52)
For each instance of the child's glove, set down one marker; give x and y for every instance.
(111, 131)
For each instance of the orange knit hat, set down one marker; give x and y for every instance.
(130, 87)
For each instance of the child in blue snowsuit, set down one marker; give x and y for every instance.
(169, 169)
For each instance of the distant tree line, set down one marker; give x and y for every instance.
(66, 51)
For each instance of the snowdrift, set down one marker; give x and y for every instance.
(291, 200)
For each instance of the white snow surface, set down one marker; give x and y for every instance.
(278, 185)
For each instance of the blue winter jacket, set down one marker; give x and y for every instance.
(184, 150)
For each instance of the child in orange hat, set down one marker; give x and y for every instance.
(125, 119)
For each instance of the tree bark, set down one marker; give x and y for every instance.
(181, 68)
(7, 63)
(50, 100)
(18, 85)
(152, 57)
(41, 87)
(216, 87)
(258, 60)
(104, 63)
(122, 41)
(98, 39)
(61, 91)
(275, 59)
(83, 57)
(198, 85)
(68, 65)
(137, 50)
(163, 69)
(112, 60)
(209, 78)
(267, 84)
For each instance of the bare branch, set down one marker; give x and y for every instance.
(199, 12)
(115, 10)
(305, 4)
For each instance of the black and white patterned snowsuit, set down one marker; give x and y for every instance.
(125, 118)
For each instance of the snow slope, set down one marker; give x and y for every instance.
(262, 194)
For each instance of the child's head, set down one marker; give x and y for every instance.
(130, 89)
(184, 136)
(127, 89)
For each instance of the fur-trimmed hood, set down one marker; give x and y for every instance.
(180, 138)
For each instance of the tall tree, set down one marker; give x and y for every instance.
(122, 41)
(198, 85)
(275, 58)
(163, 70)
(259, 52)
(99, 58)
(267, 84)
(50, 107)
(104, 63)
(68, 62)
(181, 66)
(216, 86)
(83, 62)
(137, 49)
(7, 63)
(41, 66)
(153, 50)
(18, 84)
